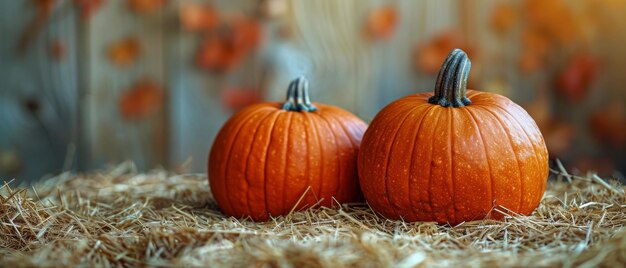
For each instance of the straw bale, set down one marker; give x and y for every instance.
(119, 217)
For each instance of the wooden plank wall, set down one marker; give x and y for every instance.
(108, 138)
(38, 96)
(79, 95)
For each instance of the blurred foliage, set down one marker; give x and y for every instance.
(569, 53)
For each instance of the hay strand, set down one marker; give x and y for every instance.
(121, 218)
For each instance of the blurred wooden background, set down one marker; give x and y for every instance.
(60, 91)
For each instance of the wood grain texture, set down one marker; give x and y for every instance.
(79, 94)
(109, 138)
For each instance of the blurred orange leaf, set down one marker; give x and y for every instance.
(143, 99)
(198, 17)
(540, 13)
(44, 6)
(503, 17)
(145, 6)
(536, 42)
(124, 53)
(576, 78)
(43, 9)
(535, 46)
(88, 8)
(217, 54)
(236, 98)
(246, 32)
(539, 109)
(558, 136)
(225, 50)
(554, 17)
(530, 62)
(608, 125)
(381, 22)
(57, 50)
(430, 55)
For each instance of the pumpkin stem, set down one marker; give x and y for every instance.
(298, 96)
(451, 87)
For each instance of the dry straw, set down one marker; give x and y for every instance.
(120, 218)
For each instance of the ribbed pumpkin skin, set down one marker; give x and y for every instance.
(424, 162)
(264, 159)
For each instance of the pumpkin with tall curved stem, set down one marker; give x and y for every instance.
(453, 156)
(273, 158)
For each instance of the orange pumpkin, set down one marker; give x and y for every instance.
(273, 158)
(454, 156)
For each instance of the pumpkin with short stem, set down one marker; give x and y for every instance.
(273, 158)
(457, 156)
